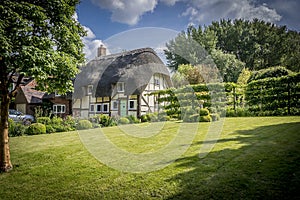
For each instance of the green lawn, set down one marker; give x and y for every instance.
(255, 158)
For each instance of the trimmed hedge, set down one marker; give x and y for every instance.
(274, 96)
(36, 129)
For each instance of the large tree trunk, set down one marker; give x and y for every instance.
(5, 163)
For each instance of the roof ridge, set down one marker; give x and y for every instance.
(125, 53)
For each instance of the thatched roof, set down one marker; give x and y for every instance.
(134, 68)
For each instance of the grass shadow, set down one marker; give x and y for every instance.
(265, 166)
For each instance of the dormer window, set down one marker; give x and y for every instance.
(57, 94)
(120, 87)
(90, 89)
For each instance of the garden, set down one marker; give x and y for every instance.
(254, 158)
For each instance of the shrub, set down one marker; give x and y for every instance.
(124, 120)
(43, 120)
(206, 118)
(164, 118)
(16, 129)
(204, 112)
(215, 117)
(153, 117)
(145, 118)
(70, 123)
(50, 129)
(277, 71)
(35, 129)
(84, 124)
(133, 119)
(57, 120)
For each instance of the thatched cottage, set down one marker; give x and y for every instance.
(119, 84)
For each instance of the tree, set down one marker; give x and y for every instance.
(38, 39)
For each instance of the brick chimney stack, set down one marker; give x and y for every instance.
(101, 51)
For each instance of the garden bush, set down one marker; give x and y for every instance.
(70, 123)
(43, 120)
(206, 118)
(204, 112)
(36, 129)
(215, 117)
(145, 118)
(50, 129)
(132, 119)
(124, 120)
(84, 124)
(57, 120)
(15, 129)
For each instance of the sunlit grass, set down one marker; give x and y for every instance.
(255, 158)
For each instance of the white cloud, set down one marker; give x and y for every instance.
(127, 11)
(169, 2)
(205, 11)
(90, 44)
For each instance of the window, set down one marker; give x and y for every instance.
(89, 89)
(156, 81)
(98, 107)
(103, 107)
(115, 105)
(59, 108)
(120, 87)
(132, 104)
(56, 94)
(92, 107)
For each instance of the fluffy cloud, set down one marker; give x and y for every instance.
(90, 44)
(204, 11)
(127, 11)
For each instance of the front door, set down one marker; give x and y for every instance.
(123, 107)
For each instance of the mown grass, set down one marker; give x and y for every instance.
(255, 158)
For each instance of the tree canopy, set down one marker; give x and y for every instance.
(233, 45)
(38, 39)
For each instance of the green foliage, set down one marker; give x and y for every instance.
(145, 118)
(70, 123)
(274, 96)
(84, 124)
(36, 129)
(124, 120)
(235, 44)
(229, 66)
(103, 120)
(278, 71)
(244, 77)
(56, 120)
(204, 112)
(43, 120)
(16, 129)
(133, 119)
(50, 129)
(215, 117)
(206, 118)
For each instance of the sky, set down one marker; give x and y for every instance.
(128, 24)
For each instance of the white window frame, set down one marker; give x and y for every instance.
(120, 86)
(92, 106)
(113, 103)
(98, 106)
(156, 81)
(62, 108)
(89, 89)
(105, 105)
(134, 104)
(56, 94)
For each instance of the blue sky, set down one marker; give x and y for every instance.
(127, 22)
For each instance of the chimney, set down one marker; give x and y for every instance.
(101, 51)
